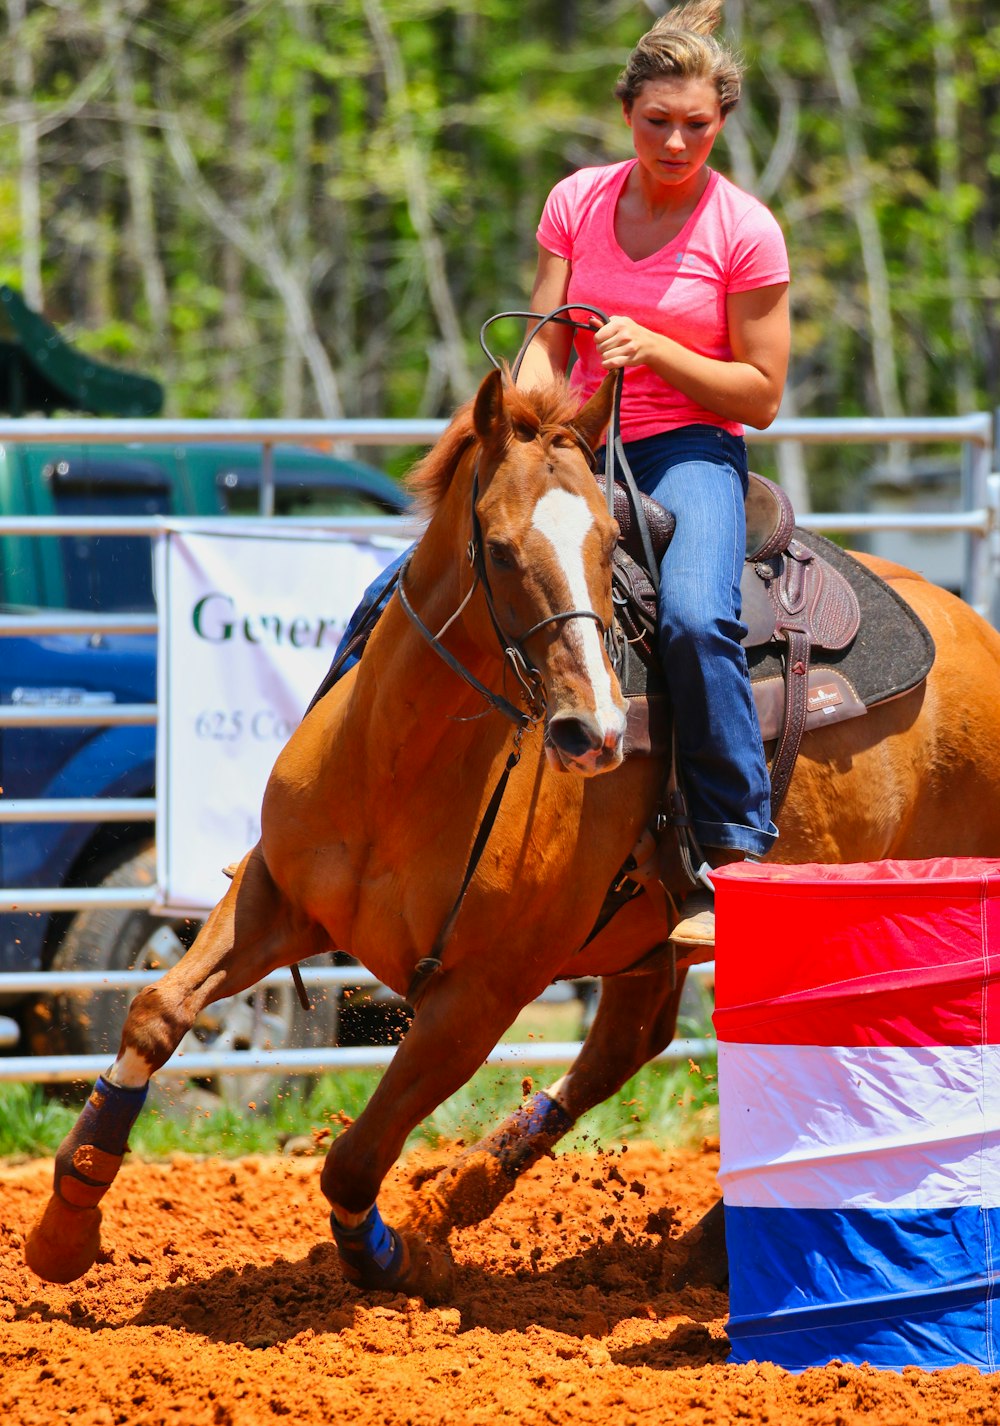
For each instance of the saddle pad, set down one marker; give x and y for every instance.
(893, 650)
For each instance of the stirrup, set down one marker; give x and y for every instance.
(697, 924)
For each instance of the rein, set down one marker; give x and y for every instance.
(514, 655)
(496, 701)
(615, 460)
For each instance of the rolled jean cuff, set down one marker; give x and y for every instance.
(734, 837)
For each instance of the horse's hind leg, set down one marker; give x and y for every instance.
(251, 932)
(636, 1019)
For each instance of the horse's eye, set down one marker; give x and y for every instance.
(501, 554)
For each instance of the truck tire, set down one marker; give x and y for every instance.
(263, 1017)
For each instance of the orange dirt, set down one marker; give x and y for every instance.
(218, 1299)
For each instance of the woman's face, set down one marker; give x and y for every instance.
(674, 124)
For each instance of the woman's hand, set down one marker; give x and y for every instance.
(747, 388)
(622, 342)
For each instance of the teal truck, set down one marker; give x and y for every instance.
(112, 575)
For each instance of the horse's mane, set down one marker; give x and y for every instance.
(537, 410)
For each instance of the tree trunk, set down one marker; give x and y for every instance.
(297, 218)
(139, 178)
(234, 327)
(29, 176)
(262, 250)
(947, 132)
(418, 204)
(793, 472)
(863, 209)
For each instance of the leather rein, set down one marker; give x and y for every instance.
(514, 653)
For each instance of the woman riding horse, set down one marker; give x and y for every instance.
(486, 698)
(696, 274)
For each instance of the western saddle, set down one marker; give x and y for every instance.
(792, 597)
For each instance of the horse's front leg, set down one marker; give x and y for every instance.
(249, 933)
(636, 1019)
(456, 1025)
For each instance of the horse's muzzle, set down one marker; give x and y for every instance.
(580, 742)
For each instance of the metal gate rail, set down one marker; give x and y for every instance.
(980, 520)
(68, 1069)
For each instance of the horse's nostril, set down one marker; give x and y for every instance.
(575, 736)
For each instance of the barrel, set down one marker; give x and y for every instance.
(858, 1023)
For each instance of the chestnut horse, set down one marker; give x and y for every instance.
(371, 818)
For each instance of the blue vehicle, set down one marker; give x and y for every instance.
(113, 574)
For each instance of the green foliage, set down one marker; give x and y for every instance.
(340, 155)
(32, 1126)
(664, 1103)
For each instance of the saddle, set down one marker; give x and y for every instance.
(803, 604)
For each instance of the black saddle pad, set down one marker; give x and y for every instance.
(893, 650)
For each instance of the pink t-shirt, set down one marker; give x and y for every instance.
(731, 243)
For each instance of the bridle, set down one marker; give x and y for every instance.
(515, 655)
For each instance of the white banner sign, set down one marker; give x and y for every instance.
(248, 624)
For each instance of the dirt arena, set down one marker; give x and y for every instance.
(218, 1300)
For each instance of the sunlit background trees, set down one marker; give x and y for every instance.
(307, 207)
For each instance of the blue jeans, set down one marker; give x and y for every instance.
(699, 473)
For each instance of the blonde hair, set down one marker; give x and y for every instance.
(681, 45)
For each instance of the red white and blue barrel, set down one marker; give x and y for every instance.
(858, 1019)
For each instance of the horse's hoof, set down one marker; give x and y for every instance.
(376, 1257)
(429, 1272)
(64, 1242)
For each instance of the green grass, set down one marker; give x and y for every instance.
(666, 1103)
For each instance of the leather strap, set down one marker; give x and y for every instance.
(357, 644)
(429, 965)
(496, 701)
(796, 707)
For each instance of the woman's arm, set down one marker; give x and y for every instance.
(548, 354)
(746, 389)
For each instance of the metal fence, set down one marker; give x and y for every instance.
(978, 518)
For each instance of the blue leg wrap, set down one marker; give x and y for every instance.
(371, 1253)
(93, 1149)
(529, 1133)
(109, 1114)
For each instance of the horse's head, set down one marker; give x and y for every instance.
(545, 541)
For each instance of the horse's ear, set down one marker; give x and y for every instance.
(592, 420)
(489, 415)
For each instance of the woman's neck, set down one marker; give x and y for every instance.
(655, 200)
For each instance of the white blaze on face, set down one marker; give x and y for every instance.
(565, 520)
